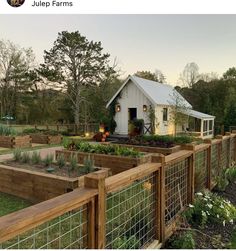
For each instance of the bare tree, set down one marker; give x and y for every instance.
(15, 64)
(190, 74)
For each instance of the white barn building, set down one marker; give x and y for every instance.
(135, 98)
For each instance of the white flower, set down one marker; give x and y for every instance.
(199, 193)
(218, 216)
(221, 206)
(190, 205)
(231, 221)
(205, 199)
(209, 205)
(207, 213)
(203, 213)
(224, 223)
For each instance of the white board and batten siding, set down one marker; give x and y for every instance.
(130, 97)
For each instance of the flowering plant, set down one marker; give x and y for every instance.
(209, 207)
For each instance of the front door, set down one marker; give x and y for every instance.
(132, 114)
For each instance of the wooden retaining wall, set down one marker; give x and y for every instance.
(15, 142)
(116, 164)
(46, 139)
(34, 186)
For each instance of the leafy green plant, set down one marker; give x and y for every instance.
(36, 157)
(102, 149)
(25, 157)
(17, 154)
(209, 207)
(48, 159)
(61, 162)
(230, 174)
(183, 240)
(222, 181)
(232, 244)
(126, 243)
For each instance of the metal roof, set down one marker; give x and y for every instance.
(198, 115)
(157, 93)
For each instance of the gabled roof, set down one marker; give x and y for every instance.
(157, 93)
(198, 115)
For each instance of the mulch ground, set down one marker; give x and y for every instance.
(214, 236)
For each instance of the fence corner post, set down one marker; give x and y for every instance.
(97, 181)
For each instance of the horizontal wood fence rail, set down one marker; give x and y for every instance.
(132, 209)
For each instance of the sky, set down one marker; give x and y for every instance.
(138, 42)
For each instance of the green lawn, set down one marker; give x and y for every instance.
(9, 204)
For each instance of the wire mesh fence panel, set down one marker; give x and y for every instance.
(200, 175)
(131, 214)
(176, 186)
(68, 231)
(225, 154)
(214, 163)
(232, 151)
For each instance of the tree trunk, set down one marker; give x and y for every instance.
(77, 110)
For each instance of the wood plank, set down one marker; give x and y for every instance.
(125, 178)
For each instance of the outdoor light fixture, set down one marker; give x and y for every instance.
(144, 108)
(87, 134)
(118, 108)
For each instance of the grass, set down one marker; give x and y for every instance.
(10, 203)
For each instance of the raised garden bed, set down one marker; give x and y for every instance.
(15, 141)
(35, 179)
(150, 149)
(44, 136)
(115, 163)
(46, 139)
(155, 143)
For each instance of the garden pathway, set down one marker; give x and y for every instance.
(43, 153)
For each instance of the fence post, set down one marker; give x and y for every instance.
(220, 153)
(97, 180)
(208, 141)
(161, 204)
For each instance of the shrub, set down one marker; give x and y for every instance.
(7, 131)
(232, 244)
(230, 174)
(61, 162)
(182, 240)
(25, 157)
(48, 160)
(36, 157)
(221, 181)
(17, 154)
(209, 207)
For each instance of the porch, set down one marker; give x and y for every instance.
(200, 124)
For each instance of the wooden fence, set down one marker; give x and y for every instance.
(76, 129)
(138, 208)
